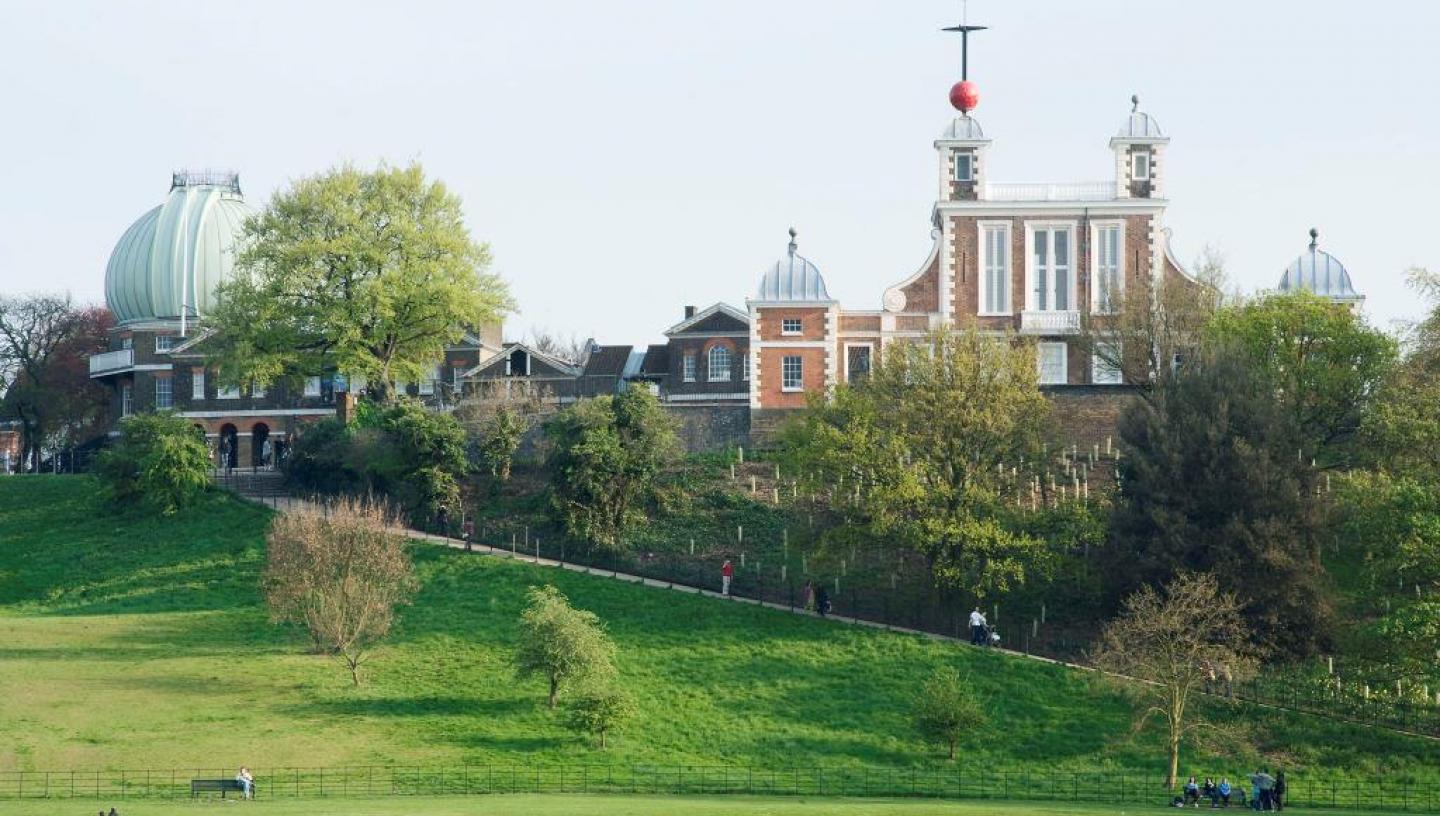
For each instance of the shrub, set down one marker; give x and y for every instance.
(159, 462)
(946, 709)
(601, 710)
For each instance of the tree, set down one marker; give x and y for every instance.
(601, 710)
(495, 421)
(1401, 429)
(159, 462)
(1210, 482)
(341, 573)
(1324, 363)
(606, 456)
(570, 349)
(1164, 648)
(566, 646)
(373, 273)
(45, 341)
(1152, 325)
(913, 454)
(946, 709)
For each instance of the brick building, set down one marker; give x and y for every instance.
(161, 281)
(1031, 259)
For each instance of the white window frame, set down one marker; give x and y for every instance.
(164, 343)
(227, 392)
(723, 372)
(1064, 362)
(1138, 157)
(745, 367)
(1032, 227)
(312, 386)
(426, 386)
(799, 381)
(127, 399)
(785, 325)
(688, 366)
(168, 390)
(969, 161)
(127, 343)
(1097, 228)
(1115, 375)
(871, 365)
(982, 231)
(197, 384)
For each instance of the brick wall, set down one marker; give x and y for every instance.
(923, 294)
(770, 376)
(769, 320)
(1086, 415)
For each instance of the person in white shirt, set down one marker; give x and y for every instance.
(977, 627)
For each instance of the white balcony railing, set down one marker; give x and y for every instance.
(1046, 191)
(1050, 322)
(111, 362)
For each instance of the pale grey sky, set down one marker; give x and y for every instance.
(624, 159)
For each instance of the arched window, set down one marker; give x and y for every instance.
(719, 365)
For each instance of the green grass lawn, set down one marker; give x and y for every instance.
(128, 642)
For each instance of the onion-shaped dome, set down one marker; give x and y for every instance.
(791, 279)
(1321, 273)
(170, 261)
(963, 129)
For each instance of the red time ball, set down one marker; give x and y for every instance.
(965, 96)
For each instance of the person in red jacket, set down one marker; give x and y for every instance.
(727, 571)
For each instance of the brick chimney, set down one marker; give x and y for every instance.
(689, 312)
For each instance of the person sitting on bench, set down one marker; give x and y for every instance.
(247, 782)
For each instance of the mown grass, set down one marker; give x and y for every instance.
(130, 642)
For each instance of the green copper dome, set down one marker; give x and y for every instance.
(170, 260)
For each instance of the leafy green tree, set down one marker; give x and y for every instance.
(601, 710)
(566, 646)
(373, 273)
(1210, 482)
(1402, 427)
(913, 454)
(606, 457)
(158, 462)
(496, 420)
(946, 709)
(1324, 362)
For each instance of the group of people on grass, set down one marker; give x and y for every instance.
(1266, 792)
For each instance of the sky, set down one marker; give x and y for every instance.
(625, 159)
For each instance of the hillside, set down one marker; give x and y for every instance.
(142, 643)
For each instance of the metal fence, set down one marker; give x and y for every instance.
(950, 781)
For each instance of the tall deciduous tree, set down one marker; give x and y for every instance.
(342, 574)
(915, 451)
(1401, 429)
(607, 454)
(1210, 482)
(1325, 364)
(1164, 648)
(566, 646)
(373, 273)
(45, 341)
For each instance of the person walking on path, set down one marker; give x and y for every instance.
(442, 520)
(727, 572)
(822, 600)
(977, 628)
(807, 596)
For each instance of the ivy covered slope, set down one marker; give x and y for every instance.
(142, 642)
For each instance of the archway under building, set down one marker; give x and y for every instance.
(259, 436)
(229, 446)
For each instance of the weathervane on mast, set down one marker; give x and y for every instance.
(964, 95)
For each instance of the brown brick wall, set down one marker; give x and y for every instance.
(859, 323)
(812, 322)
(812, 372)
(912, 323)
(1086, 416)
(923, 294)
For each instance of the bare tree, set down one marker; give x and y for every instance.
(341, 573)
(1166, 646)
(571, 349)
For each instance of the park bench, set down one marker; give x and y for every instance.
(199, 786)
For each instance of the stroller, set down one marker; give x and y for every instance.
(992, 637)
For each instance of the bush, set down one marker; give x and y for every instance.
(159, 463)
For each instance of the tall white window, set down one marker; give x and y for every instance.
(1050, 272)
(995, 269)
(790, 325)
(164, 394)
(792, 373)
(312, 386)
(1051, 359)
(1140, 166)
(718, 365)
(197, 384)
(1103, 365)
(964, 167)
(857, 362)
(1109, 278)
(127, 399)
(745, 366)
(688, 370)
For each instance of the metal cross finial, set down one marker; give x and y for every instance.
(1314, 238)
(792, 241)
(1135, 103)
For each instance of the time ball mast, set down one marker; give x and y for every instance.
(965, 95)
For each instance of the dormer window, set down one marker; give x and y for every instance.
(790, 325)
(1140, 166)
(964, 167)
